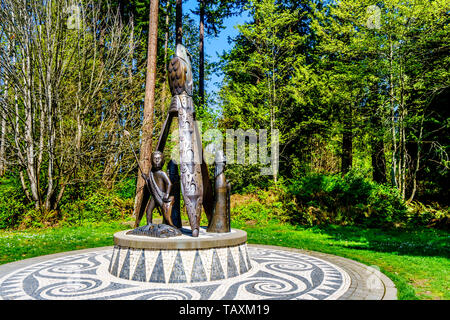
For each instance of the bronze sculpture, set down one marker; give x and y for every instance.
(195, 183)
(181, 85)
(221, 219)
(172, 170)
(160, 187)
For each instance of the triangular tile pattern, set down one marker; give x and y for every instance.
(198, 271)
(139, 273)
(217, 272)
(125, 270)
(135, 255)
(112, 259)
(122, 254)
(235, 254)
(115, 267)
(188, 256)
(243, 262)
(231, 265)
(168, 257)
(242, 265)
(178, 274)
(206, 256)
(249, 264)
(150, 260)
(179, 266)
(223, 257)
(158, 274)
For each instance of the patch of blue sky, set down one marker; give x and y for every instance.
(215, 46)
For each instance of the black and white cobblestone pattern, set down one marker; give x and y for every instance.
(275, 273)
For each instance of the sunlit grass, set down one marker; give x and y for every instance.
(17, 245)
(417, 261)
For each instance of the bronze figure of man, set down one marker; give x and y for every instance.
(160, 186)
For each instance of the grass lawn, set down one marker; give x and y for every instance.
(18, 245)
(416, 260)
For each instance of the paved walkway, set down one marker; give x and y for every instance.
(276, 273)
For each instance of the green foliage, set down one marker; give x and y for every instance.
(246, 178)
(320, 199)
(126, 189)
(89, 202)
(352, 199)
(255, 93)
(12, 202)
(99, 206)
(428, 215)
(319, 71)
(251, 211)
(35, 218)
(262, 205)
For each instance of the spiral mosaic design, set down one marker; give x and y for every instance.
(275, 274)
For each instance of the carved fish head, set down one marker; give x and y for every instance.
(183, 53)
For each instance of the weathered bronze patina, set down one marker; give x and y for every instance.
(181, 85)
(194, 179)
(160, 186)
(221, 218)
(156, 231)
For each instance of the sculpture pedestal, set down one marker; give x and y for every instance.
(182, 259)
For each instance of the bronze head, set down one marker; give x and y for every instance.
(157, 159)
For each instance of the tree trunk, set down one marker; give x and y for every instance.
(347, 143)
(402, 138)
(110, 162)
(130, 66)
(377, 143)
(51, 145)
(166, 47)
(41, 127)
(179, 22)
(201, 85)
(393, 132)
(2, 144)
(378, 160)
(417, 166)
(3, 125)
(149, 103)
(28, 125)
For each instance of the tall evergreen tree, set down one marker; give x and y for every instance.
(149, 104)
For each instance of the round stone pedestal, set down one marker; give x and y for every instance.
(182, 259)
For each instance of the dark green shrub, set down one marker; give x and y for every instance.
(352, 199)
(126, 189)
(420, 214)
(12, 203)
(253, 211)
(34, 218)
(99, 206)
(246, 179)
(385, 206)
(263, 205)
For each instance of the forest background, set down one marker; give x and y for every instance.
(358, 91)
